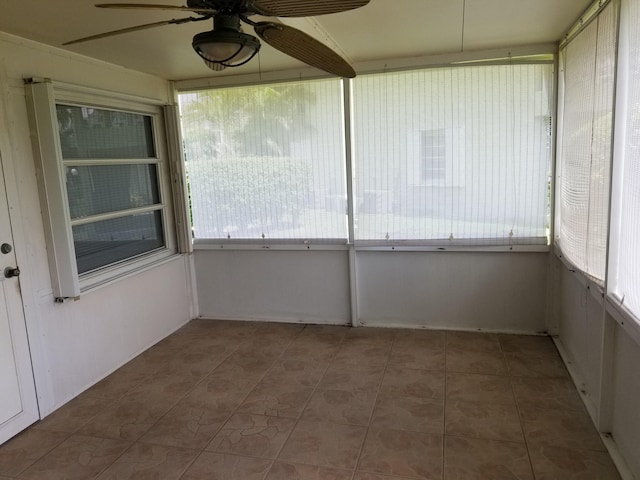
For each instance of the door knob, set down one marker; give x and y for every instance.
(5, 248)
(11, 272)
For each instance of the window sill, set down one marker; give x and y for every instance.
(103, 278)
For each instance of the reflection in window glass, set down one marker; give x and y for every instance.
(109, 241)
(98, 189)
(88, 132)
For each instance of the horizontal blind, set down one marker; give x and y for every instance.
(266, 162)
(626, 282)
(584, 150)
(453, 155)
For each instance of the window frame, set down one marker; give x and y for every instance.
(42, 99)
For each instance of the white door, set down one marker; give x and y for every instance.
(18, 403)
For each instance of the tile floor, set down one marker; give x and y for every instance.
(247, 401)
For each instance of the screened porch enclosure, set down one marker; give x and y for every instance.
(444, 156)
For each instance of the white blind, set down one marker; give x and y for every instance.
(584, 147)
(266, 162)
(625, 282)
(453, 155)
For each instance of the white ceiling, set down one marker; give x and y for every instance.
(384, 29)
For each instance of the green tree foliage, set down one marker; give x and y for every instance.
(238, 147)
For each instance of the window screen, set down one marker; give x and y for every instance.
(584, 150)
(112, 184)
(453, 155)
(625, 283)
(266, 162)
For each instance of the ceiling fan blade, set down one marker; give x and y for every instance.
(148, 6)
(131, 29)
(304, 8)
(302, 47)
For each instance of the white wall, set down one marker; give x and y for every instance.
(625, 393)
(75, 344)
(289, 286)
(604, 370)
(498, 291)
(472, 290)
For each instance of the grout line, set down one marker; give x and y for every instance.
(444, 412)
(299, 417)
(375, 406)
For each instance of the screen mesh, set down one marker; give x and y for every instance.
(266, 162)
(626, 284)
(584, 154)
(458, 154)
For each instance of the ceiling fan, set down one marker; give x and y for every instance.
(228, 46)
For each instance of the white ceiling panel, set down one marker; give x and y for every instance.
(384, 29)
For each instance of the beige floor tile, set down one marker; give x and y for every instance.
(480, 459)
(215, 329)
(310, 350)
(303, 373)
(361, 377)
(77, 458)
(324, 444)
(252, 435)
(125, 420)
(215, 466)
(227, 385)
(281, 400)
(426, 339)
(162, 390)
(480, 388)
(150, 361)
(402, 453)
(408, 413)
(462, 360)
(331, 334)
(472, 341)
(372, 336)
(362, 354)
(551, 393)
(150, 461)
(193, 364)
(23, 450)
(408, 382)
(188, 424)
(116, 385)
(553, 463)
(341, 406)
(538, 364)
(249, 364)
(416, 356)
(563, 428)
(375, 476)
(74, 414)
(483, 420)
(292, 402)
(527, 344)
(293, 471)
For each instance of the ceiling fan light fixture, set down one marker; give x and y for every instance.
(225, 45)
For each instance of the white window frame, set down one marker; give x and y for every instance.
(42, 97)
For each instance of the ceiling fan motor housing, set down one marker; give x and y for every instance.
(226, 45)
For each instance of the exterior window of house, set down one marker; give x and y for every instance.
(104, 186)
(110, 164)
(433, 147)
